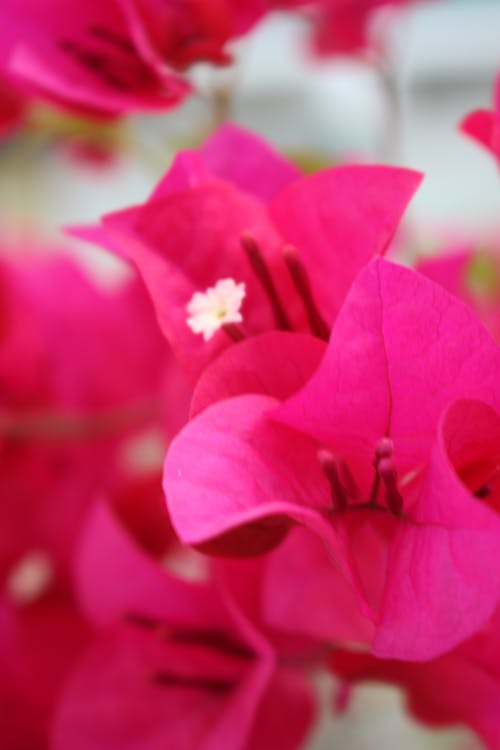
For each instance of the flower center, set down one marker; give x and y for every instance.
(300, 280)
(344, 491)
(217, 307)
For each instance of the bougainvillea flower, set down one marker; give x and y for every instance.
(117, 56)
(81, 382)
(483, 125)
(78, 382)
(87, 61)
(402, 489)
(473, 275)
(215, 217)
(174, 664)
(459, 688)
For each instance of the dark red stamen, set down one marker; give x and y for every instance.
(344, 490)
(348, 480)
(300, 279)
(142, 621)
(388, 474)
(385, 471)
(110, 37)
(329, 468)
(233, 331)
(208, 684)
(384, 449)
(262, 273)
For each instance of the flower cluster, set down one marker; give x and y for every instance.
(269, 452)
(347, 429)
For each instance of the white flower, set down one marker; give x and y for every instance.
(220, 304)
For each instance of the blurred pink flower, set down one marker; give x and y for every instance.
(83, 372)
(78, 381)
(118, 56)
(173, 664)
(472, 274)
(483, 125)
(341, 26)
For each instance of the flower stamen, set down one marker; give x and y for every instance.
(260, 268)
(329, 468)
(301, 282)
(388, 474)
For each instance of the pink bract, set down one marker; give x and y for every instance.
(118, 56)
(91, 60)
(78, 382)
(188, 235)
(415, 536)
(173, 663)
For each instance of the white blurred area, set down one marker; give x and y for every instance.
(377, 720)
(441, 62)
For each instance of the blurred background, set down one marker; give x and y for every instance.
(440, 61)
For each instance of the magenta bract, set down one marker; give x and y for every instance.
(213, 210)
(402, 356)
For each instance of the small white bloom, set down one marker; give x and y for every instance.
(30, 578)
(220, 304)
